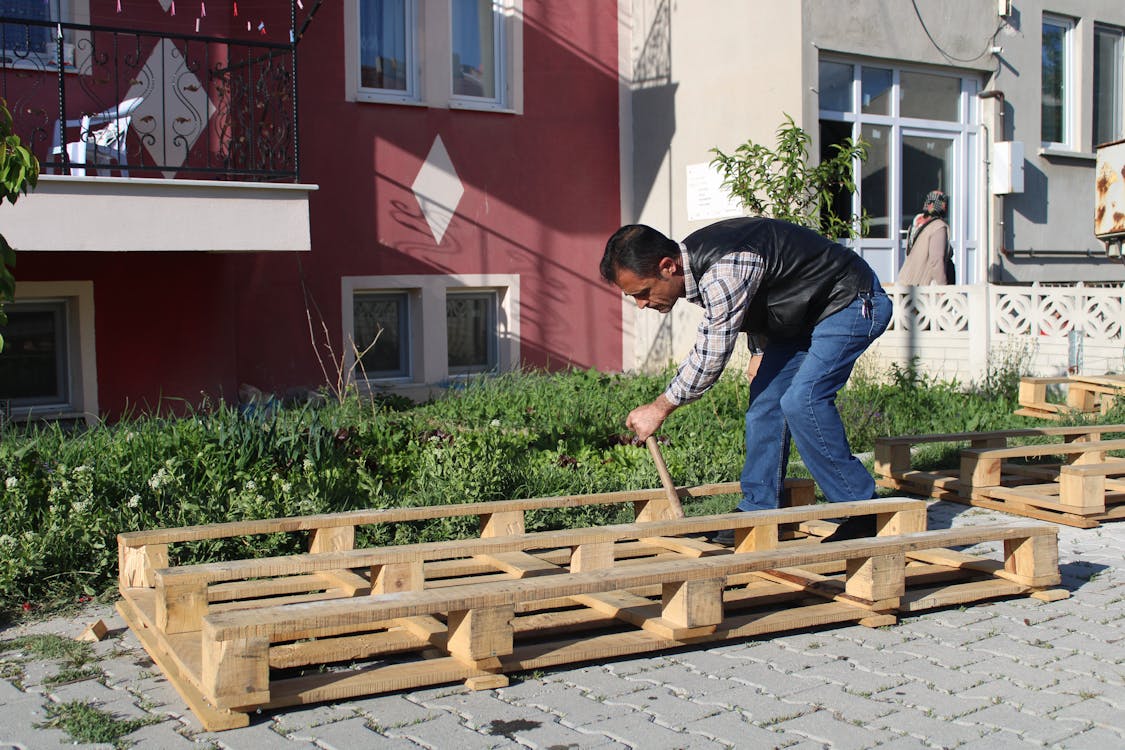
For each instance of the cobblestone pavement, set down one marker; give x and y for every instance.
(1015, 673)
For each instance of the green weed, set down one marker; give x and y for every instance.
(87, 723)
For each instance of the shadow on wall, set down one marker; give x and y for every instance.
(654, 103)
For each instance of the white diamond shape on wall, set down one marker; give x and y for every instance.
(438, 189)
(175, 109)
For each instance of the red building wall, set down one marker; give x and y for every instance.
(541, 196)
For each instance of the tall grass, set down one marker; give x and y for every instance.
(64, 496)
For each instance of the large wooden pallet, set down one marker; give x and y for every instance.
(1083, 489)
(1085, 394)
(243, 635)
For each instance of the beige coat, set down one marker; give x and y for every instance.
(925, 261)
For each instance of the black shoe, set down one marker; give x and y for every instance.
(855, 527)
(725, 537)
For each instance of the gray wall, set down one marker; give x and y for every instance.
(716, 73)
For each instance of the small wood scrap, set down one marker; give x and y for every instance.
(1085, 394)
(94, 632)
(1083, 488)
(241, 635)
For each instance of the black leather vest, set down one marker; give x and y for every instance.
(807, 276)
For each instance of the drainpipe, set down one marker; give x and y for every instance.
(994, 205)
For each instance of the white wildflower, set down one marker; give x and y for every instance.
(79, 506)
(251, 485)
(7, 542)
(159, 479)
(307, 465)
(134, 501)
(11, 482)
(286, 487)
(495, 423)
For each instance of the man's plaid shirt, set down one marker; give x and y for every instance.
(724, 293)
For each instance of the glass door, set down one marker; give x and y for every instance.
(928, 162)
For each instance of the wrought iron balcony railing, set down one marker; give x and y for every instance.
(100, 100)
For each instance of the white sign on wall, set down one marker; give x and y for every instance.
(706, 196)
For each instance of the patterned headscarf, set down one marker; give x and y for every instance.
(939, 200)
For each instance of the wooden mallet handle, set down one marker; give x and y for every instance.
(665, 477)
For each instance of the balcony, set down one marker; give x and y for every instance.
(141, 132)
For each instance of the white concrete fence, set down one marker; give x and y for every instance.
(959, 332)
(952, 332)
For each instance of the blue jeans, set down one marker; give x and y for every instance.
(793, 396)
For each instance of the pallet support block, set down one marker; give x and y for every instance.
(505, 523)
(481, 635)
(136, 565)
(593, 556)
(236, 672)
(180, 608)
(1033, 561)
(394, 577)
(1082, 489)
(879, 579)
(693, 604)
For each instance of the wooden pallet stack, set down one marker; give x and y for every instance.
(338, 622)
(1083, 488)
(1085, 394)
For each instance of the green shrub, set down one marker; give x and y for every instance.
(64, 496)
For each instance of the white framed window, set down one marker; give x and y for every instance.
(381, 334)
(455, 54)
(1057, 84)
(919, 125)
(472, 335)
(477, 51)
(408, 332)
(1109, 84)
(388, 49)
(35, 45)
(48, 366)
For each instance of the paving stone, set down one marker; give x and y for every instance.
(116, 702)
(844, 705)
(572, 705)
(936, 732)
(953, 680)
(446, 731)
(355, 733)
(822, 726)
(638, 730)
(681, 679)
(9, 692)
(1093, 739)
(997, 740)
(667, 708)
(297, 721)
(537, 733)
(943, 704)
(769, 680)
(1022, 723)
(391, 711)
(937, 653)
(1094, 712)
(1038, 702)
(599, 685)
(163, 736)
(1001, 668)
(731, 728)
(260, 735)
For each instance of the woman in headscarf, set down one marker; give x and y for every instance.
(928, 254)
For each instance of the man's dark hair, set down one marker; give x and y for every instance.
(637, 248)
